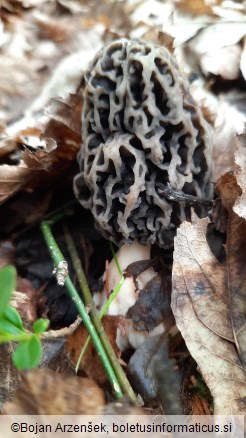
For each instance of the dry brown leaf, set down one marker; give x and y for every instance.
(9, 375)
(73, 6)
(12, 179)
(216, 62)
(91, 364)
(240, 161)
(49, 156)
(15, 6)
(153, 304)
(230, 119)
(25, 300)
(166, 40)
(218, 35)
(153, 13)
(200, 305)
(236, 250)
(52, 29)
(67, 112)
(199, 404)
(7, 145)
(198, 7)
(42, 391)
(228, 190)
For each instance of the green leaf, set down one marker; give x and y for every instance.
(40, 326)
(28, 353)
(7, 286)
(12, 316)
(7, 327)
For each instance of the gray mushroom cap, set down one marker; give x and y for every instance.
(142, 133)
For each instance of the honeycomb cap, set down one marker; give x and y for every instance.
(141, 132)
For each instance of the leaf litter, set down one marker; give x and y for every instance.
(208, 298)
(38, 149)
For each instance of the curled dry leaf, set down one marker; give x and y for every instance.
(7, 145)
(154, 375)
(141, 366)
(202, 309)
(47, 155)
(152, 306)
(12, 179)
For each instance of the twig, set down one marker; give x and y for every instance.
(58, 258)
(65, 331)
(125, 385)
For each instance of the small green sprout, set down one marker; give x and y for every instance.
(28, 352)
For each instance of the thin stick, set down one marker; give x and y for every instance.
(125, 385)
(115, 259)
(58, 258)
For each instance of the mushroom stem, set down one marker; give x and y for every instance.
(126, 255)
(128, 293)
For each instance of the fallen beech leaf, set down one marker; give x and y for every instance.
(236, 248)
(200, 305)
(42, 391)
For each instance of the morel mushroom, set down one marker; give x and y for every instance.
(141, 133)
(146, 153)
